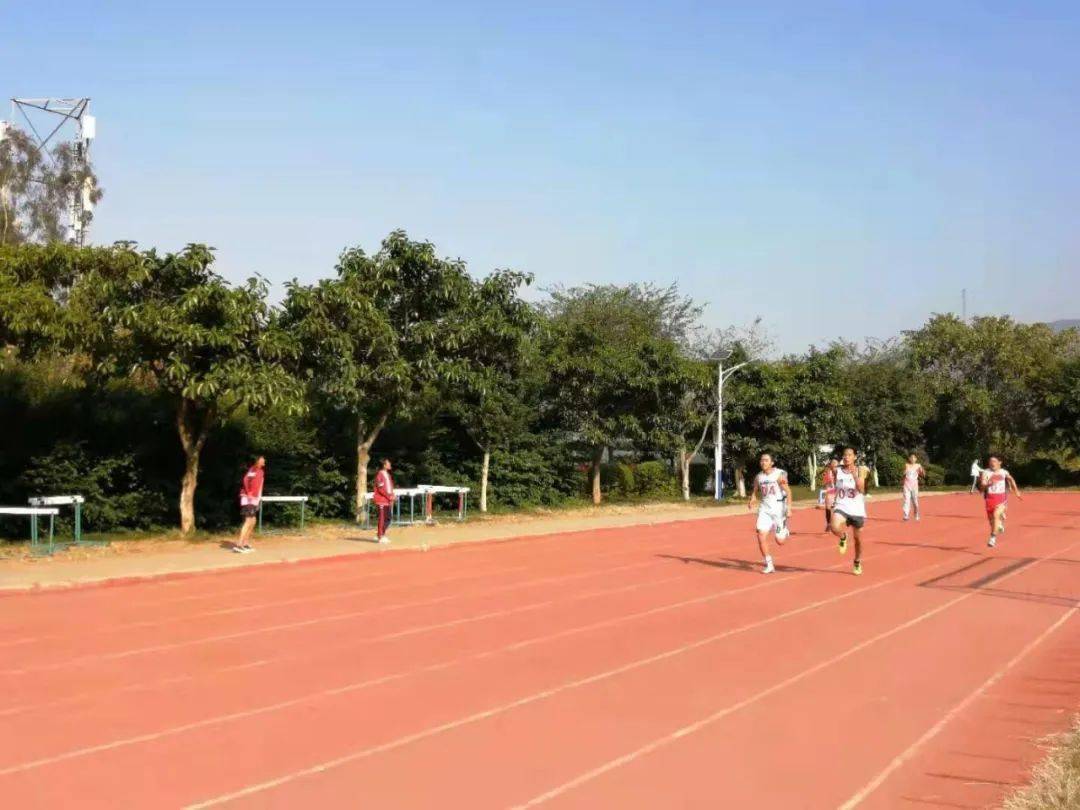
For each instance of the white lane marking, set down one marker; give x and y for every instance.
(546, 693)
(712, 718)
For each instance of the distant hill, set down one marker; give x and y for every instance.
(1066, 323)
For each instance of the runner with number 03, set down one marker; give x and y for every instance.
(850, 508)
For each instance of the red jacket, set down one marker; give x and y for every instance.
(384, 488)
(252, 486)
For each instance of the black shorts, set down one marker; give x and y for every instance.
(851, 520)
(249, 511)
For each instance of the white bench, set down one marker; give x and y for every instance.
(34, 512)
(300, 499)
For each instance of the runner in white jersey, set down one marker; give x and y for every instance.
(771, 497)
(850, 509)
(996, 483)
(913, 472)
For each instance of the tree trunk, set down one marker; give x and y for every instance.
(811, 467)
(740, 481)
(594, 473)
(193, 432)
(484, 480)
(684, 472)
(364, 441)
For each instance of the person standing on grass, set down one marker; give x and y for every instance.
(850, 509)
(771, 490)
(827, 494)
(913, 472)
(995, 484)
(251, 489)
(384, 499)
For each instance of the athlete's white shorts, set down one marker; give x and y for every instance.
(768, 520)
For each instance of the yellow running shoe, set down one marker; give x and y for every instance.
(857, 568)
(843, 543)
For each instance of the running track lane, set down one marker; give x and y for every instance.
(689, 679)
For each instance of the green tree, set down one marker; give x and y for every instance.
(381, 335)
(616, 364)
(172, 323)
(36, 188)
(787, 408)
(989, 379)
(889, 404)
(487, 386)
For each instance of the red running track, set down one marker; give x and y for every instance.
(639, 667)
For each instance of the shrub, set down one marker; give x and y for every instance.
(655, 478)
(935, 475)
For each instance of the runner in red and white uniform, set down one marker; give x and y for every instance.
(913, 472)
(827, 493)
(995, 484)
(771, 497)
(850, 508)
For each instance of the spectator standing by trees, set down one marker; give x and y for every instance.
(251, 489)
(384, 499)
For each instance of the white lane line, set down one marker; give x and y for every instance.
(311, 696)
(279, 659)
(691, 728)
(936, 729)
(335, 617)
(432, 667)
(547, 693)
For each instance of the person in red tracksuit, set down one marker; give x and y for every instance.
(250, 494)
(384, 499)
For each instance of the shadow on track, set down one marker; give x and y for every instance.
(732, 564)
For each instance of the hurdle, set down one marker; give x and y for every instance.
(431, 490)
(34, 512)
(75, 501)
(300, 499)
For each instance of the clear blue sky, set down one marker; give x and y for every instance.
(837, 168)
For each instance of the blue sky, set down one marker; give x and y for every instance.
(840, 169)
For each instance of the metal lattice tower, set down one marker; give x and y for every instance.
(74, 111)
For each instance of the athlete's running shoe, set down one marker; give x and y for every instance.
(769, 568)
(843, 543)
(857, 568)
(992, 541)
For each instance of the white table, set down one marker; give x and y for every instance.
(67, 500)
(300, 499)
(34, 512)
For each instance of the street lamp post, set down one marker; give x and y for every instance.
(722, 375)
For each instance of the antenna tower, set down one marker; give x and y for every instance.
(68, 110)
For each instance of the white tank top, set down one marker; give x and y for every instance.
(848, 498)
(996, 482)
(769, 490)
(911, 476)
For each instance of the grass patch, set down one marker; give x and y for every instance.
(1055, 782)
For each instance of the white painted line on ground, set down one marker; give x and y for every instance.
(691, 728)
(546, 693)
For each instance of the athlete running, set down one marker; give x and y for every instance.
(850, 509)
(995, 484)
(827, 493)
(771, 498)
(913, 472)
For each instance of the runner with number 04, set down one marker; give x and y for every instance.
(772, 499)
